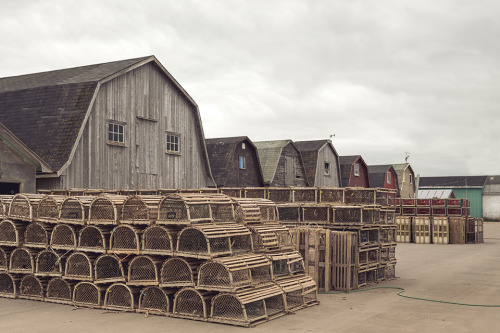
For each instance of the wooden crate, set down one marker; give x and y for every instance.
(403, 233)
(440, 230)
(457, 230)
(344, 261)
(422, 230)
(479, 225)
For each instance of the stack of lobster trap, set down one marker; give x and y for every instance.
(437, 221)
(202, 256)
(347, 236)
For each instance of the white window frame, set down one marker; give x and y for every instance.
(388, 177)
(327, 169)
(113, 129)
(172, 146)
(243, 146)
(240, 160)
(356, 169)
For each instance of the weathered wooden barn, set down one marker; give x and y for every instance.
(18, 165)
(321, 162)
(406, 180)
(383, 176)
(491, 199)
(234, 162)
(354, 171)
(281, 163)
(125, 124)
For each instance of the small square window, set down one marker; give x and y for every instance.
(242, 162)
(173, 143)
(356, 169)
(388, 177)
(243, 145)
(116, 133)
(327, 169)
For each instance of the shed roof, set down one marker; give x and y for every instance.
(377, 174)
(453, 181)
(346, 163)
(309, 151)
(269, 155)
(439, 194)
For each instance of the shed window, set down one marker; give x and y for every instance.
(411, 179)
(356, 169)
(173, 143)
(388, 177)
(327, 169)
(116, 133)
(243, 145)
(242, 162)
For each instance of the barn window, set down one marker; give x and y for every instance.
(388, 177)
(356, 169)
(173, 143)
(116, 133)
(327, 169)
(411, 179)
(242, 162)
(243, 145)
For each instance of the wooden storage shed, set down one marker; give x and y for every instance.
(354, 171)
(234, 162)
(383, 176)
(125, 124)
(281, 163)
(321, 162)
(406, 180)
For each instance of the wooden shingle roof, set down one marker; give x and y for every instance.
(269, 155)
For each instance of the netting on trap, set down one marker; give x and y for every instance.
(359, 196)
(192, 303)
(369, 255)
(209, 240)
(304, 194)
(184, 209)
(109, 268)
(106, 209)
(88, 294)
(179, 272)
(8, 285)
(347, 215)
(391, 198)
(75, 210)
(49, 208)
(289, 213)
(79, 266)
(140, 209)
(248, 306)
(37, 235)
(388, 252)
(21, 261)
(63, 237)
(222, 211)
(286, 263)
(125, 239)
(254, 192)
(157, 240)
(382, 197)
(156, 300)
(93, 239)
(32, 287)
(299, 291)
(367, 277)
(11, 233)
(48, 263)
(233, 273)
(371, 215)
(232, 192)
(24, 206)
(317, 213)
(121, 297)
(59, 291)
(331, 195)
(143, 271)
(271, 237)
(279, 195)
(4, 259)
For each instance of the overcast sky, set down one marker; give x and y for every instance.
(384, 76)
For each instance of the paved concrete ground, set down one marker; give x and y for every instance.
(455, 273)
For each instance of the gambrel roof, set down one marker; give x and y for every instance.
(309, 151)
(378, 174)
(48, 110)
(346, 163)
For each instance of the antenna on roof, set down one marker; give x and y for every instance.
(407, 156)
(332, 136)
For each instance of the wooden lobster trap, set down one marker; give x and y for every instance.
(317, 213)
(366, 276)
(156, 300)
(254, 192)
(305, 194)
(280, 194)
(331, 195)
(179, 272)
(59, 291)
(289, 213)
(5, 201)
(286, 263)
(369, 255)
(387, 252)
(143, 271)
(300, 291)
(403, 232)
(254, 211)
(79, 266)
(93, 238)
(125, 239)
(158, 240)
(89, 295)
(382, 197)
(63, 237)
(4, 259)
(387, 233)
(49, 207)
(344, 261)
(106, 209)
(371, 214)
(422, 230)
(233, 273)
(11, 233)
(248, 307)
(270, 237)
(32, 287)
(221, 208)
(386, 271)
(37, 235)
(75, 210)
(140, 209)
(440, 230)
(49, 263)
(22, 261)
(109, 268)
(210, 240)
(184, 209)
(192, 304)
(360, 196)
(458, 230)
(233, 192)
(121, 297)
(24, 206)
(9, 285)
(347, 215)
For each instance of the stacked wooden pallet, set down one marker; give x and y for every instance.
(201, 256)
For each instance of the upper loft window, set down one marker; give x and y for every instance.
(173, 143)
(242, 162)
(116, 133)
(243, 145)
(327, 169)
(411, 179)
(356, 169)
(388, 177)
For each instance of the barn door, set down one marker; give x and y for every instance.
(146, 142)
(289, 171)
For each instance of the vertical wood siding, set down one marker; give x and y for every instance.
(326, 155)
(294, 175)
